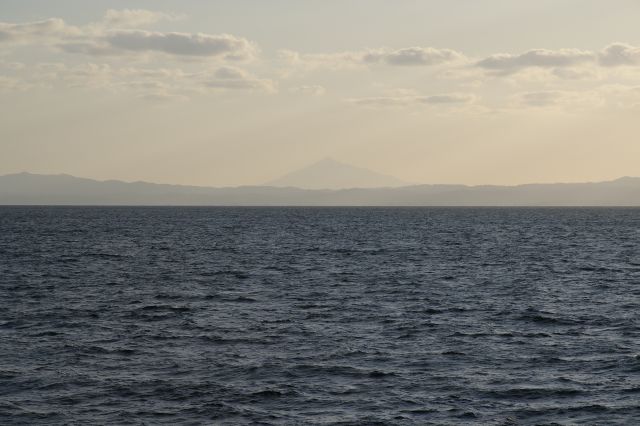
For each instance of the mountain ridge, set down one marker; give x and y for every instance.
(331, 174)
(36, 189)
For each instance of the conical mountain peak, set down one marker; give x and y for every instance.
(329, 173)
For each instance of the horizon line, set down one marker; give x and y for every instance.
(321, 189)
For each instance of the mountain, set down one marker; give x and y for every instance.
(32, 189)
(332, 174)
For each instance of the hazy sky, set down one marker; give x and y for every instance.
(240, 92)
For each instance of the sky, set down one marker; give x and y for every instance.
(240, 92)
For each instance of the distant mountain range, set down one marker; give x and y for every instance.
(33, 189)
(331, 174)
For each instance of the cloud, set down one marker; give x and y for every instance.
(455, 98)
(451, 99)
(309, 90)
(135, 18)
(542, 58)
(182, 44)
(537, 70)
(54, 29)
(413, 56)
(311, 61)
(108, 38)
(89, 48)
(153, 84)
(162, 83)
(621, 96)
(161, 96)
(583, 73)
(576, 62)
(540, 99)
(564, 63)
(562, 100)
(11, 84)
(12, 66)
(117, 42)
(410, 56)
(619, 54)
(36, 31)
(89, 76)
(234, 79)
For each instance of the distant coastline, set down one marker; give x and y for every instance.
(35, 189)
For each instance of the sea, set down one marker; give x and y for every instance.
(319, 316)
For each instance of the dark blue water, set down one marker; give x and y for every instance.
(319, 316)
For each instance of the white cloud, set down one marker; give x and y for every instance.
(312, 61)
(383, 101)
(158, 84)
(561, 63)
(89, 48)
(564, 63)
(581, 73)
(161, 96)
(182, 44)
(309, 90)
(108, 38)
(621, 96)
(410, 56)
(11, 84)
(451, 99)
(537, 71)
(234, 78)
(34, 32)
(540, 99)
(542, 58)
(12, 66)
(119, 42)
(413, 56)
(561, 100)
(135, 18)
(619, 54)
(455, 98)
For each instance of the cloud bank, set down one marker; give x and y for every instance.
(614, 55)
(177, 64)
(114, 35)
(410, 56)
(451, 99)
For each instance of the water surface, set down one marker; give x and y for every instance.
(319, 316)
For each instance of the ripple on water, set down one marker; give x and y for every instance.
(319, 316)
